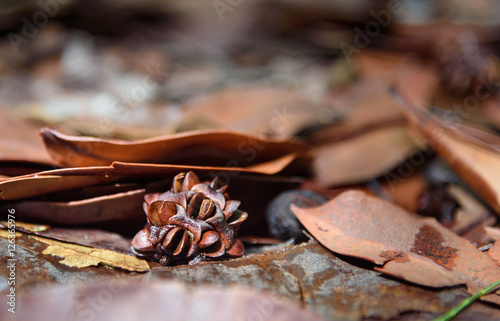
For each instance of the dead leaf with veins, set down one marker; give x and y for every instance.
(399, 243)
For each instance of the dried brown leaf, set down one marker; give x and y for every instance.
(207, 148)
(404, 191)
(46, 182)
(97, 209)
(363, 157)
(474, 160)
(470, 213)
(19, 141)
(494, 252)
(263, 110)
(401, 244)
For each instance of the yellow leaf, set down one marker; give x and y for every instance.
(80, 256)
(76, 255)
(28, 226)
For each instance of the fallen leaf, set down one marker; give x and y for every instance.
(470, 211)
(19, 141)
(26, 227)
(403, 191)
(65, 179)
(356, 104)
(122, 203)
(492, 232)
(88, 237)
(46, 182)
(97, 209)
(80, 256)
(207, 148)
(363, 157)
(18, 168)
(494, 252)
(475, 161)
(481, 233)
(264, 110)
(401, 244)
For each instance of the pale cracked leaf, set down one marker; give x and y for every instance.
(80, 256)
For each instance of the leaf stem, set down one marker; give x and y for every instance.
(466, 302)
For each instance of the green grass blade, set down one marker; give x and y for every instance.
(466, 302)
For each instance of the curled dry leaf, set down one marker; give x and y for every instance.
(208, 147)
(97, 209)
(401, 244)
(58, 180)
(363, 157)
(481, 233)
(96, 204)
(47, 182)
(473, 159)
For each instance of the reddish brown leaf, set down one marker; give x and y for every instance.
(261, 109)
(475, 160)
(97, 209)
(401, 244)
(208, 148)
(494, 252)
(72, 178)
(363, 157)
(404, 191)
(470, 213)
(19, 141)
(46, 182)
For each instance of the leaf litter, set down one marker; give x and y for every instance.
(415, 249)
(265, 121)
